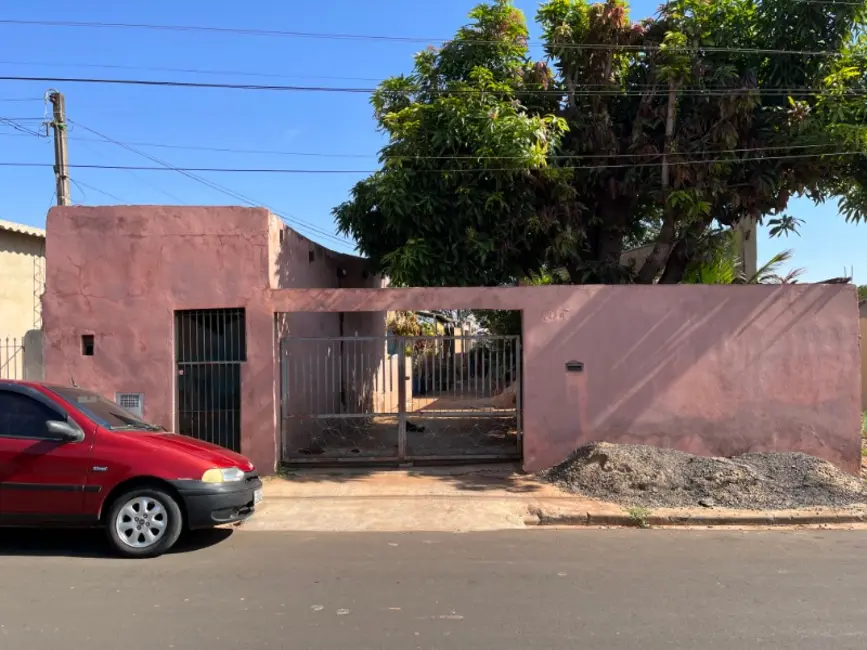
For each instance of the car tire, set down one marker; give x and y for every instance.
(144, 522)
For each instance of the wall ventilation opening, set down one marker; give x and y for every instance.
(87, 345)
(311, 256)
(132, 402)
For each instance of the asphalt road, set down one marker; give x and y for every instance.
(611, 589)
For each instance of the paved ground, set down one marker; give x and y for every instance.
(463, 499)
(612, 589)
(435, 499)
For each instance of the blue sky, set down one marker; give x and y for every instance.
(317, 123)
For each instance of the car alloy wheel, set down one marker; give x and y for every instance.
(141, 522)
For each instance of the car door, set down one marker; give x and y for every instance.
(41, 478)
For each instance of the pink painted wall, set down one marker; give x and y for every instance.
(713, 370)
(119, 273)
(707, 369)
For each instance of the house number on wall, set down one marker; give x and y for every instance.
(554, 315)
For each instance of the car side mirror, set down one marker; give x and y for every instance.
(64, 431)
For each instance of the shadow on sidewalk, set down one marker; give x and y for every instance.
(88, 543)
(507, 477)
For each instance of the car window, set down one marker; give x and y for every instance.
(24, 417)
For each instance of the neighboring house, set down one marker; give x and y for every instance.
(22, 282)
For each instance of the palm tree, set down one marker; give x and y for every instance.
(721, 264)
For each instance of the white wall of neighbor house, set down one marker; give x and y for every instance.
(22, 279)
(22, 282)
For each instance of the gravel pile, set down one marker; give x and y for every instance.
(637, 475)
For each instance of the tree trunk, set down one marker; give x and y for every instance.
(677, 264)
(662, 249)
(606, 243)
(681, 254)
(614, 214)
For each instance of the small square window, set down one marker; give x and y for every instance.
(132, 402)
(87, 345)
(311, 256)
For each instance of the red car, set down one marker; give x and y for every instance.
(70, 457)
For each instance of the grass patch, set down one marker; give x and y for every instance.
(639, 515)
(864, 424)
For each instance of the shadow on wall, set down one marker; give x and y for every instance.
(719, 372)
(862, 310)
(708, 370)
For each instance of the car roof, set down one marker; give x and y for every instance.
(19, 382)
(30, 384)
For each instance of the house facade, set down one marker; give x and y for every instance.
(166, 310)
(224, 324)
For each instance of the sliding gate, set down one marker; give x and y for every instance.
(376, 399)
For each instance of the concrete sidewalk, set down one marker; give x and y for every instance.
(475, 499)
(429, 499)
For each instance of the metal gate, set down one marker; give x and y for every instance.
(210, 345)
(424, 398)
(11, 358)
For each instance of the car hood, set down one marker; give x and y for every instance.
(213, 454)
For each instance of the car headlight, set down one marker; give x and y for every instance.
(227, 475)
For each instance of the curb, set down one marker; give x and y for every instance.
(539, 517)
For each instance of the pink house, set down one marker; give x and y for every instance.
(181, 312)
(170, 306)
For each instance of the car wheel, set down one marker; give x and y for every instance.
(144, 522)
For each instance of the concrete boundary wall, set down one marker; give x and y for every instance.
(712, 370)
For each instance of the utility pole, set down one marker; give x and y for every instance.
(61, 163)
(748, 246)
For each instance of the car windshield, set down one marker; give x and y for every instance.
(107, 413)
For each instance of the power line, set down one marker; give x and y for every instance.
(164, 166)
(277, 170)
(706, 92)
(279, 152)
(605, 88)
(103, 192)
(402, 39)
(11, 122)
(21, 99)
(269, 152)
(240, 73)
(186, 84)
(104, 139)
(220, 30)
(142, 180)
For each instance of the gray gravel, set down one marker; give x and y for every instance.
(638, 475)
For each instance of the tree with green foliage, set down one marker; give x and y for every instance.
(721, 264)
(658, 132)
